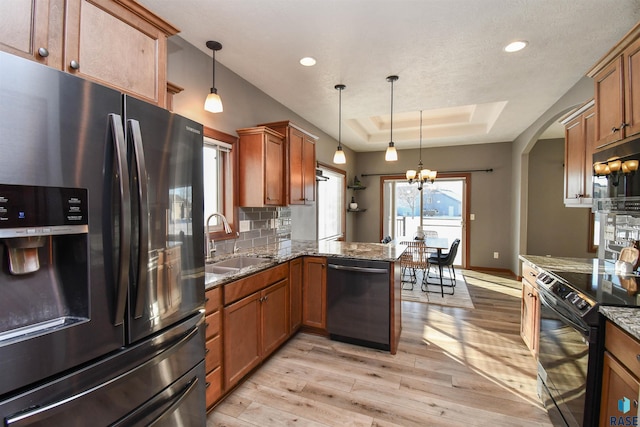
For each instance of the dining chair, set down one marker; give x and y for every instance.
(441, 261)
(412, 259)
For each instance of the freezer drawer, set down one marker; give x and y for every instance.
(166, 389)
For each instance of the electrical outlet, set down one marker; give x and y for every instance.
(472, 217)
(496, 255)
(245, 226)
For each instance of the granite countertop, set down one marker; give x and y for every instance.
(286, 250)
(628, 318)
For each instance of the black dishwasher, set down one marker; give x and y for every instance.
(358, 302)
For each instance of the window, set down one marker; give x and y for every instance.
(218, 181)
(331, 200)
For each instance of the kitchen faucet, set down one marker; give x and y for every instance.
(210, 243)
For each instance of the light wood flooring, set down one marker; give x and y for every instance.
(454, 367)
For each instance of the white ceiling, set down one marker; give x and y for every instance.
(448, 55)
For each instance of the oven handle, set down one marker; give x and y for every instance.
(552, 306)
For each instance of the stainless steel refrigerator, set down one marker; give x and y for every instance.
(101, 255)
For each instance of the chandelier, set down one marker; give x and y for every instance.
(421, 175)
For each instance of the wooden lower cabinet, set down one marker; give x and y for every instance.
(295, 294)
(530, 309)
(257, 324)
(213, 345)
(620, 377)
(314, 293)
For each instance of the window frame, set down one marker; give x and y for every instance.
(343, 233)
(229, 184)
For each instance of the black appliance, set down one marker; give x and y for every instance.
(571, 339)
(358, 302)
(101, 255)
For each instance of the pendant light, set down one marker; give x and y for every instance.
(422, 175)
(339, 157)
(213, 103)
(391, 155)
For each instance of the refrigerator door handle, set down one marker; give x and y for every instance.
(120, 150)
(143, 216)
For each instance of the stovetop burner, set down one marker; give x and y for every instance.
(605, 288)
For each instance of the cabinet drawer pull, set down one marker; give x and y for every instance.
(43, 52)
(635, 404)
(532, 274)
(207, 384)
(75, 65)
(530, 294)
(206, 325)
(206, 351)
(206, 300)
(638, 357)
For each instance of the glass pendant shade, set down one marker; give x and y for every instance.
(391, 155)
(339, 157)
(411, 174)
(213, 103)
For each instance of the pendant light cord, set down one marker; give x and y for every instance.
(340, 118)
(391, 136)
(213, 88)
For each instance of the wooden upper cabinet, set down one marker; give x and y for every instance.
(261, 167)
(120, 44)
(117, 43)
(301, 162)
(617, 91)
(32, 29)
(579, 147)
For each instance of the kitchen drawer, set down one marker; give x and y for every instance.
(241, 288)
(623, 347)
(212, 324)
(213, 386)
(529, 273)
(213, 300)
(213, 353)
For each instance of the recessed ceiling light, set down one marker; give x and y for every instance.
(515, 46)
(308, 61)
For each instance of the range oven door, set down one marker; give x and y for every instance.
(566, 348)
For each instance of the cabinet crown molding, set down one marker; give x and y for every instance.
(616, 50)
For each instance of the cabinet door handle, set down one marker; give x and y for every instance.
(614, 129)
(532, 274)
(638, 357)
(43, 52)
(74, 65)
(623, 125)
(530, 294)
(207, 384)
(206, 351)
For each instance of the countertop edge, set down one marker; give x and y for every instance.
(381, 252)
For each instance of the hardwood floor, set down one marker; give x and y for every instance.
(454, 367)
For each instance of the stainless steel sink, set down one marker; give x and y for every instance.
(214, 269)
(238, 262)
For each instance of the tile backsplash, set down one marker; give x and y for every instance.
(258, 227)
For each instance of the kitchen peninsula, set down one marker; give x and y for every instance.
(280, 288)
